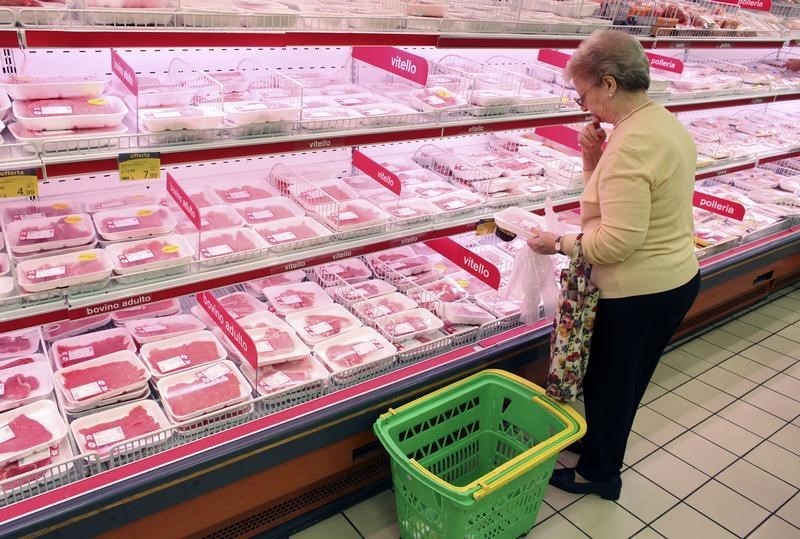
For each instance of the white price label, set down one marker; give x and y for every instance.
(382, 310)
(319, 328)
(264, 347)
(237, 195)
(454, 205)
(107, 436)
(173, 363)
(166, 114)
(42, 454)
(151, 328)
(47, 273)
(364, 348)
(123, 223)
(45, 234)
(49, 110)
(347, 216)
(405, 212)
(434, 100)
(523, 160)
(260, 215)
(136, 256)
(111, 204)
(80, 353)
(6, 433)
(282, 236)
(274, 381)
(88, 390)
(290, 300)
(215, 371)
(218, 250)
(403, 328)
(2, 389)
(28, 216)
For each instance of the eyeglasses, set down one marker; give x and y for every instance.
(581, 98)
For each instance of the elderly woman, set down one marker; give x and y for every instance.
(637, 223)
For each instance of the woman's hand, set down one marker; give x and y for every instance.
(543, 242)
(591, 140)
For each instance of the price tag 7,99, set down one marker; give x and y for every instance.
(139, 166)
(19, 183)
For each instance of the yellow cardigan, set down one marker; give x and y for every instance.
(636, 209)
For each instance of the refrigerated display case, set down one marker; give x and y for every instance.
(264, 459)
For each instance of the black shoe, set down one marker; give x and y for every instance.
(575, 447)
(564, 479)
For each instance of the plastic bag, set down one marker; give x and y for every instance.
(533, 282)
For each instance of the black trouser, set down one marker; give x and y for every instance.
(630, 335)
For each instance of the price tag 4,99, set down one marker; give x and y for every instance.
(19, 183)
(139, 166)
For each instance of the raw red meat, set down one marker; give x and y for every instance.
(143, 219)
(236, 241)
(290, 233)
(75, 269)
(70, 227)
(346, 270)
(240, 305)
(317, 196)
(199, 198)
(336, 322)
(417, 322)
(27, 433)
(17, 363)
(19, 386)
(244, 194)
(114, 375)
(13, 469)
(18, 213)
(68, 106)
(446, 291)
(100, 347)
(55, 330)
(215, 220)
(279, 341)
(190, 397)
(381, 307)
(155, 249)
(165, 327)
(344, 356)
(14, 344)
(263, 213)
(137, 423)
(306, 299)
(368, 289)
(194, 353)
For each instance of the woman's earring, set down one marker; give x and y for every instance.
(610, 95)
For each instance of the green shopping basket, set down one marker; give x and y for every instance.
(473, 459)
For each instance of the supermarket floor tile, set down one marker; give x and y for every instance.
(728, 434)
(671, 473)
(602, 519)
(643, 498)
(337, 526)
(704, 455)
(727, 508)
(757, 485)
(683, 521)
(790, 512)
(768, 357)
(747, 368)
(775, 528)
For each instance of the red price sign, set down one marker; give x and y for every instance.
(566, 136)
(553, 57)
(718, 205)
(665, 63)
(124, 72)
(378, 173)
(238, 337)
(183, 201)
(396, 61)
(464, 258)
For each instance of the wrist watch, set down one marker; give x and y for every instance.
(557, 245)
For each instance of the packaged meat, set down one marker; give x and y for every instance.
(384, 305)
(179, 118)
(47, 457)
(351, 270)
(465, 313)
(238, 305)
(352, 215)
(432, 190)
(49, 233)
(97, 380)
(25, 87)
(104, 432)
(6, 286)
(318, 102)
(327, 118)
(70, 328)
(231, 81)
(202, 197)
(164, 307)
(333, 87)
(435, 98)
(381, 114)
(498, 306)
(149, 254)
(263, 111)
(469, 282)
(70, 113)
(241, 191)
(211, 218)
(35, 210)
(294, 232)
(357, 348)
(42, 140)
(103, 202)
(202, 390)
(73, 350)
(24, 360)
(82, 267)
(256, 287)
(390, 255)
(290, 298)
(279, 378)
(22, 342)
(320, 323)
(359, 99)
(275, 343)
(408, 266)
(363, 290)
(267, 210)
(458, 201)
(155, 93)
(445, 289)
(322, 194)
(410, 210)
(181, 353)
(408, 324)
(223, 246)
(134, 223)
(24, 384)
(29, 428)
(148, 330)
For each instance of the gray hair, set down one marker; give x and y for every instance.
(611, 52)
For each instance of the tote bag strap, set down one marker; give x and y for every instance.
(578, 268)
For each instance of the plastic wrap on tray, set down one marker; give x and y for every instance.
(363, 290)
(262, 111)
(22, 360)
(351, 270)
(25, 87)
(498, 305)
(132, 223)
(70, 328)
(323, 193)
(101, 380)
(219, 246)
(182, 352)
(34, 210)
(289, 298)
(353, 215)
(392, 303)
(278, 378)
(202, 390)
(179, 118)
(156, 93)
(212, 218)
(166, 307)
(117, 199)
(103, 432)
(49, 233)
(435, 98)
(24, 384)
(275, 340)
(150, 254)
(244, 191)
(324, 118)
(148, 330)
(293, 231)
(320, 323)
(237, 305)
(21, 342)
(465, 313)
(72, 350)
(445, 289)
(70, 113)
(267, 210)
(410, 209)
(58, 271)
(30, 428)
(256, 287)
(357, 348)
(408, 324)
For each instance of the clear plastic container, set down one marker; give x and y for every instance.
(458, 201)
(242, 191)
(150, 254)
(179, 118)
(351, 270)
(182, 352)
(267, 210)
(148, 330)
(27, 429)
(132, 223)
(70, 113)
(353, 215)
(22, 342)
(81, 348)
(103, 432)
(202, 390)
(316, 325)
(519, 222)
(279, 378)
(500, 307)
(223, 246)
(465, 313)
(445, 289)
(24, 384)
(25, 87)
(164, 307)
(212, 218)
(95, 381)
(49, 233)
(290, 298)
(384, 305)
(83, 267)
(363, 346)
(409, 324)
(294, 232)
(70, 328)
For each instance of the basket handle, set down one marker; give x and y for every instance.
(433, 477)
